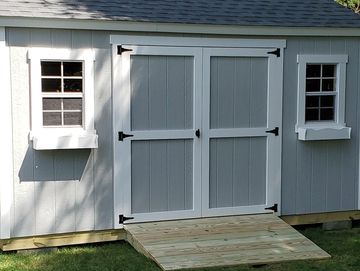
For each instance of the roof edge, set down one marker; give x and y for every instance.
(176, 27)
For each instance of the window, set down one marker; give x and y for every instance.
(320, 92)
(62, 98)
(62, 93)
(321, 97)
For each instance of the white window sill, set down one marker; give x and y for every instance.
(323, 133)
(57, 141)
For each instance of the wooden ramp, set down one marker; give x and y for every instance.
(221, 241)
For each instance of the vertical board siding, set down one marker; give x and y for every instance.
(23, 211)
(237, 172)
(61, 190)
(44, 192)
(289, 148)
(238, 99)
(161, 92)
(238, 92)
(161, 98)
(320, 176)
(103, 174)
(161, 175)
(85, 197)
(65, 191)
(350, 152)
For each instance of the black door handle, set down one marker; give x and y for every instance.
(274, 131)
(197, 133)
(122, 136)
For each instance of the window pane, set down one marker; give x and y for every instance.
(50, 68)
(328, 85)
(313, 70)
(51, 85)
(329, 71)
(312, 101)
(327, 114)
(72, 85)
(73, 118)
(72, 68)
(51, 104)
(327, 101)
(73, 104)
(51, 118)
(311, 114)
(312, 85)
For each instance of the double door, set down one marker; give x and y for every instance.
(198, 132)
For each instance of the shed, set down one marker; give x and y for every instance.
(163, 110)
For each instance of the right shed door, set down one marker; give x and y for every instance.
(241, 140)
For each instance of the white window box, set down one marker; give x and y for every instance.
(323, 133)
(71, 140)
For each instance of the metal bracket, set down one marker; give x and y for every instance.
(274, 131)
(121, 49)
(276, 52)
(123, 218)
(121, 136)
(273, 208)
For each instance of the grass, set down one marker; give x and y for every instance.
(344, 246)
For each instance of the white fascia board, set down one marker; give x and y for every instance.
(109, 25)
(194, 42)
(6, 143)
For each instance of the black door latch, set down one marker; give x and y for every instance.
(274, 131)
(121, 136)
(197, 133)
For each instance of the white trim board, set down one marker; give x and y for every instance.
(6, 145)
(177, 28)
(197, 42)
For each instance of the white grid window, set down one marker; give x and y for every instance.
(320, 92)
(62, 93)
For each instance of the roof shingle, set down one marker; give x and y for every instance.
(293, 13)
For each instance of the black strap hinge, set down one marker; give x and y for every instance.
(273, 208)
(121, 49)
(274, 131)
(122, 135)
(276, 52)
(123, 218)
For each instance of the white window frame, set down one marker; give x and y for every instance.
(44, 137)
(322, 130)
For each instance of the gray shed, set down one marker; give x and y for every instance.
(161, 110)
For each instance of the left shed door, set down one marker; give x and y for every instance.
(154, 101)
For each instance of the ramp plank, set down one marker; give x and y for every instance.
(221, 241)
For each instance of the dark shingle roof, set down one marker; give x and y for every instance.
(300, 13)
